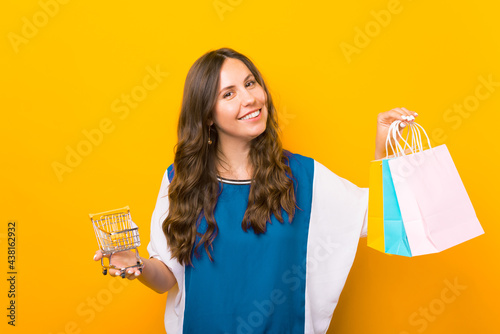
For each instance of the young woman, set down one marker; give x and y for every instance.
(246, 236)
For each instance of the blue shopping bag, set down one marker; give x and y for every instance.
(396, 241)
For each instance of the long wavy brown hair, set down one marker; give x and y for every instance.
(194, 189)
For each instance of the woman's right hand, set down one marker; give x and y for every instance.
(121, 260)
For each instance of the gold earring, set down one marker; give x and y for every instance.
(209, 139)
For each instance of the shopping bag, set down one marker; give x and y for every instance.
(436, 210)
(375, 238)
(395, 238)
(376, 233)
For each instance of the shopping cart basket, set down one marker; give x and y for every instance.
(116, 232)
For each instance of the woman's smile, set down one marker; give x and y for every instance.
(252, 116)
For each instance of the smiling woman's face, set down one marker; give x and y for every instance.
(240, 111)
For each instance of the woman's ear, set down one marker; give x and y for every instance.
(210, 122)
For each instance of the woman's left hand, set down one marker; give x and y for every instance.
(384, 121)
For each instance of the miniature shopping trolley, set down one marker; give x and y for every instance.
(116, 232)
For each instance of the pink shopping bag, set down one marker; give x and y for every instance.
(436, 210)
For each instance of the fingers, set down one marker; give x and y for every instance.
(405, 115)
(120, 261)
(410, 113)
(130, 273)
(97, 255)
(397, 114)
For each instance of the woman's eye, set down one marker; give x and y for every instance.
(248, 84)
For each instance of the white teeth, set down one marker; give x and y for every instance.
(252, 115)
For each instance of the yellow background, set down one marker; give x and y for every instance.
(67, 75)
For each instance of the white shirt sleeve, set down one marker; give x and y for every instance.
(159, 249)
(157, 246)
(338, 219)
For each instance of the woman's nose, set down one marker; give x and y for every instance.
(247, 98)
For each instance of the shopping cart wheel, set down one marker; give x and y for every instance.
(122, 274)
(104, 271)
(140, 269)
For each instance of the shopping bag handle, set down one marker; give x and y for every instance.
(419, 127)
(416, 138)
(395, 134)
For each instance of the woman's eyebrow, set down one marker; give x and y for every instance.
(232, 86)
